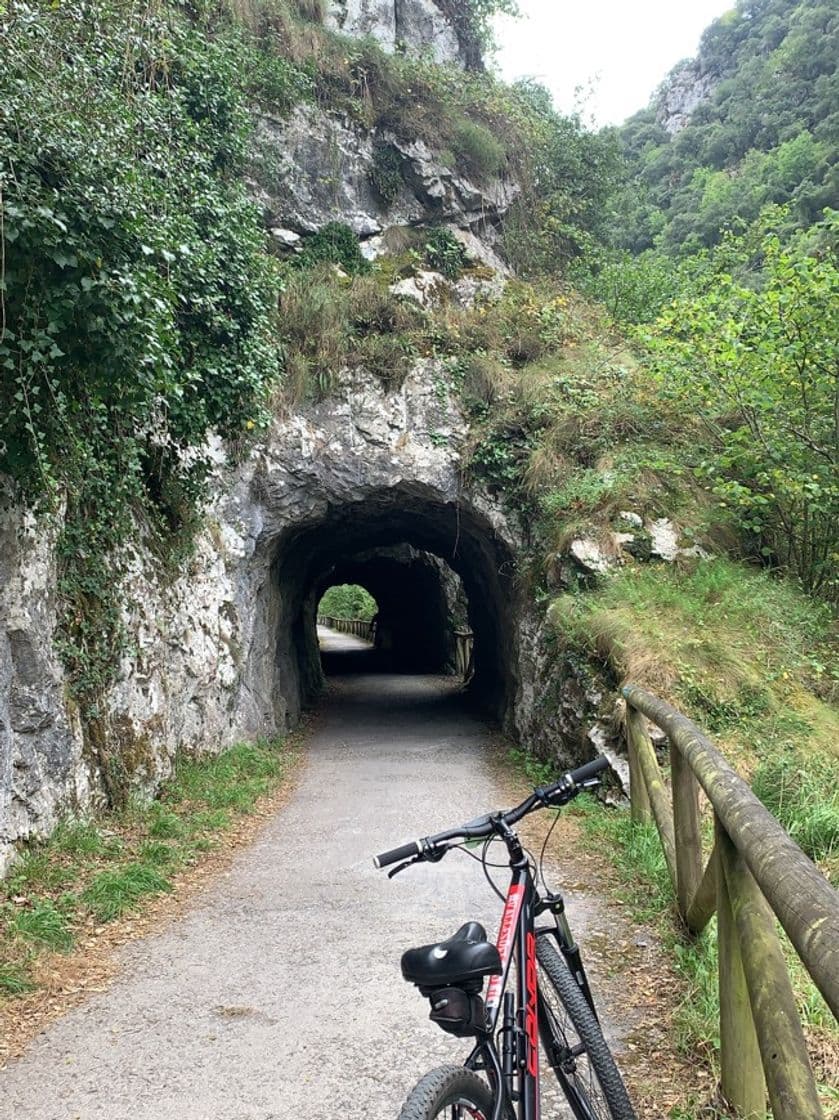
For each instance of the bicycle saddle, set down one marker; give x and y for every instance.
(464, 958)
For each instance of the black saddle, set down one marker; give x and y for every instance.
(461, 961)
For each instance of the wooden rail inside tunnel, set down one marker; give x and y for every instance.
(357, 627)
(464, 640)
(755, 874)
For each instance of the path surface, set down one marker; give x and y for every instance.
(279, 994)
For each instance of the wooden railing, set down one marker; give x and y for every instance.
(355, 626)
(754, 874)
(464, 664)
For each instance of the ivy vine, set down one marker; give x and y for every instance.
(138, 302)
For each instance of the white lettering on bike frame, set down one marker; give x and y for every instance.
(504, 944)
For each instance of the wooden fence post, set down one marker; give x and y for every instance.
(743, 1084)
(704, 902)
(786, 1063)
(656, 791)
(688, 836)
(639, 799)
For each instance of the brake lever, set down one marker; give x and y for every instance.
(401, 866)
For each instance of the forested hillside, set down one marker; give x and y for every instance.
(753, 119)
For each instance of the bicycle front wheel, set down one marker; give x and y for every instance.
(575, 1046)
(450, 1092)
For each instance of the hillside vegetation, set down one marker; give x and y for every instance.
(765, 131)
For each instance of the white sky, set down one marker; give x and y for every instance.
(623, 47)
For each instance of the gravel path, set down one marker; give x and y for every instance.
(279, 994)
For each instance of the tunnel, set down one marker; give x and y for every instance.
(399, 543)
(420, 601)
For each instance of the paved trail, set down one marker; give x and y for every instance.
(279, 994)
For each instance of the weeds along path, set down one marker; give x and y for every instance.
(279, 993)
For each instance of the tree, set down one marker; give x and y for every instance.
(753, 353)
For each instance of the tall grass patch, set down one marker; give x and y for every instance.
(749, 657)
(802, 793)
(98, 870)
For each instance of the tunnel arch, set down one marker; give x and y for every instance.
(342, 537)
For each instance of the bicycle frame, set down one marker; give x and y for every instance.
(519, 1019)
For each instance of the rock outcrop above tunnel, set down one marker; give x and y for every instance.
(315, 167)
(417, 27)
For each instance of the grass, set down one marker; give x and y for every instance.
(43, 924)
(746, 655)
(91, 872)
(801, 791)
(643, 883)
(113, 893)
(332, 322)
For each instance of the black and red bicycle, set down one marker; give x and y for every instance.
(549, 1001)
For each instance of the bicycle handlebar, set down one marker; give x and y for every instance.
(560, 793)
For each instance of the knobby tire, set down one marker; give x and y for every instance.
(450, 1092)
(591, 1081)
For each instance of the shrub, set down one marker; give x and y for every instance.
(334, 244)
(445, 253)
(480, 152)
(756, 362)
(386, 173)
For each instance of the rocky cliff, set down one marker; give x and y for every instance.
(371, 474)
(218, 654)
(417, 27)
(685, 88)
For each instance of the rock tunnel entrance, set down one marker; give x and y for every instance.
(423, 558)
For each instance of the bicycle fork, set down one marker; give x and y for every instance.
(561, 930)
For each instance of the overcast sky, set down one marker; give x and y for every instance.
(623, 47)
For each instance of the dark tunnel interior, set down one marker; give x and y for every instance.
(419, 601)
(392, 543)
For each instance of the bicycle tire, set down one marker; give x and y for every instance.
(589, 1079)
(451, 1091)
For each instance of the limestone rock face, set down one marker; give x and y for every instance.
(315, 168)
(683, 91)
(217, 655)
(41, 770)
(417, 27)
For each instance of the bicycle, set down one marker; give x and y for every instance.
(551, 1002)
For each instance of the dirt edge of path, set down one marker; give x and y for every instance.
(66, 980)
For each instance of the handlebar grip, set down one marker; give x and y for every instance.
(589, 770)
(397, 854)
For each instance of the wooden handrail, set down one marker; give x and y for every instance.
(755, 873)
(357, 627)
(464, 640)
